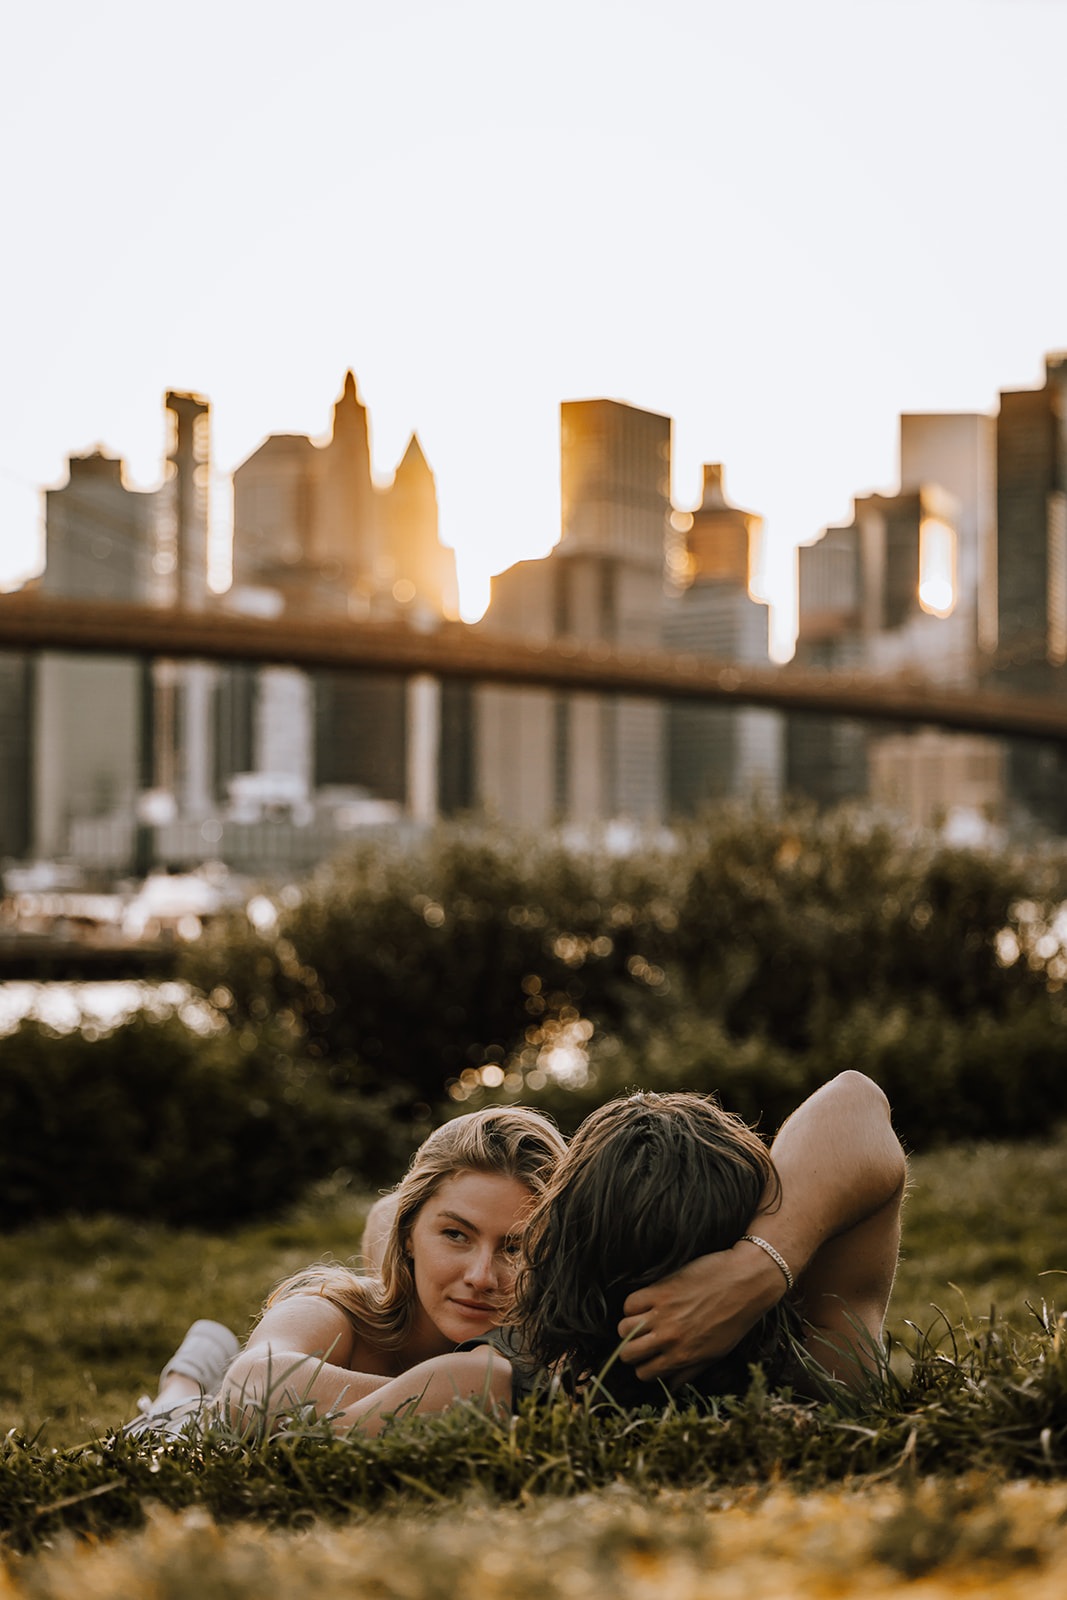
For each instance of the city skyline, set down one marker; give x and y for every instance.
(780, 230)
(216, 755)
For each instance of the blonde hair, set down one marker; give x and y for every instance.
(504, 1141)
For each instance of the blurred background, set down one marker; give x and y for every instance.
(724, 333)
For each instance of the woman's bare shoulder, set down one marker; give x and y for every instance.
(308, 1323)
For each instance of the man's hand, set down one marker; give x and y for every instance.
(697, 1315)
(842, 1174)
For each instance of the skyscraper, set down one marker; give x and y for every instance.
(958, 451)
(909, 586)
(88, 713)
(719, 752)
(313, 530)
(581, 757)
(311, 524)
(1032, 530)
(1032, 576)
(183, 713)
(16, 715)
(863, 606)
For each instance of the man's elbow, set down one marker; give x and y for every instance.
(871, 1116)
(860, 1090)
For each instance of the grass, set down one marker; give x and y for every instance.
(91, 1307)
(618, 1502)
(978, 1537)
(990, 1219)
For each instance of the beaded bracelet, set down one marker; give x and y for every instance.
(780, 1261)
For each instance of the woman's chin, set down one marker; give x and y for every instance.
(468, 1324)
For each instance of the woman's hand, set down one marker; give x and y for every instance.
(696, 1316)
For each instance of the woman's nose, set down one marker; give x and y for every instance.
(482, 1269)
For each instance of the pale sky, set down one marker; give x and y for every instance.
(780, 223)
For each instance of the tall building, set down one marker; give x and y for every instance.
(273, 492)
(419, 569)
(909, 586)
(16, 719)
(958, 451)
(99, 535)
(929, 775)
(719, 752)
(315, 533)
(521, 737)
(541, 756)
(104, 730)
(911, 575)
(721, 540)
(860, 609)
(88, 713)
(1032, 577)
(182, 504)
(311, 524)
(1032, 530)
(346, 532)
(183, 703)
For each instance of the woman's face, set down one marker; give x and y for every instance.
(464, 1246)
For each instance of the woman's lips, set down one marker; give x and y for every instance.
(475, 1308)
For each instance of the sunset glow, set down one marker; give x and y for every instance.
(485, 212)
(937, 567)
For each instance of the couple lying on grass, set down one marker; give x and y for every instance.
(664, 1233)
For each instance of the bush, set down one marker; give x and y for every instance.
(785, 925)
(756, 957)
(154, 1120)
(421, 964)
(947, 1079)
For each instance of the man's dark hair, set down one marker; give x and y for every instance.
(648, 1183)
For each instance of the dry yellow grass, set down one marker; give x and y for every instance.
(969, 1537)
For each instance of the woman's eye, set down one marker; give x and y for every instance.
(455, 1233)
(512, 1247)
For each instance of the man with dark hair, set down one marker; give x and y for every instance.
(842, 1173)
(669, 1226)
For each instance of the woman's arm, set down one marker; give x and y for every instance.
(842, 1173)
(298, 1354)
(481, 1376)
(283, 1368)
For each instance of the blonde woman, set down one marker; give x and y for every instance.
(359, 1347)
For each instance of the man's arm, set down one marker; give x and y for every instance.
(842, 1173)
